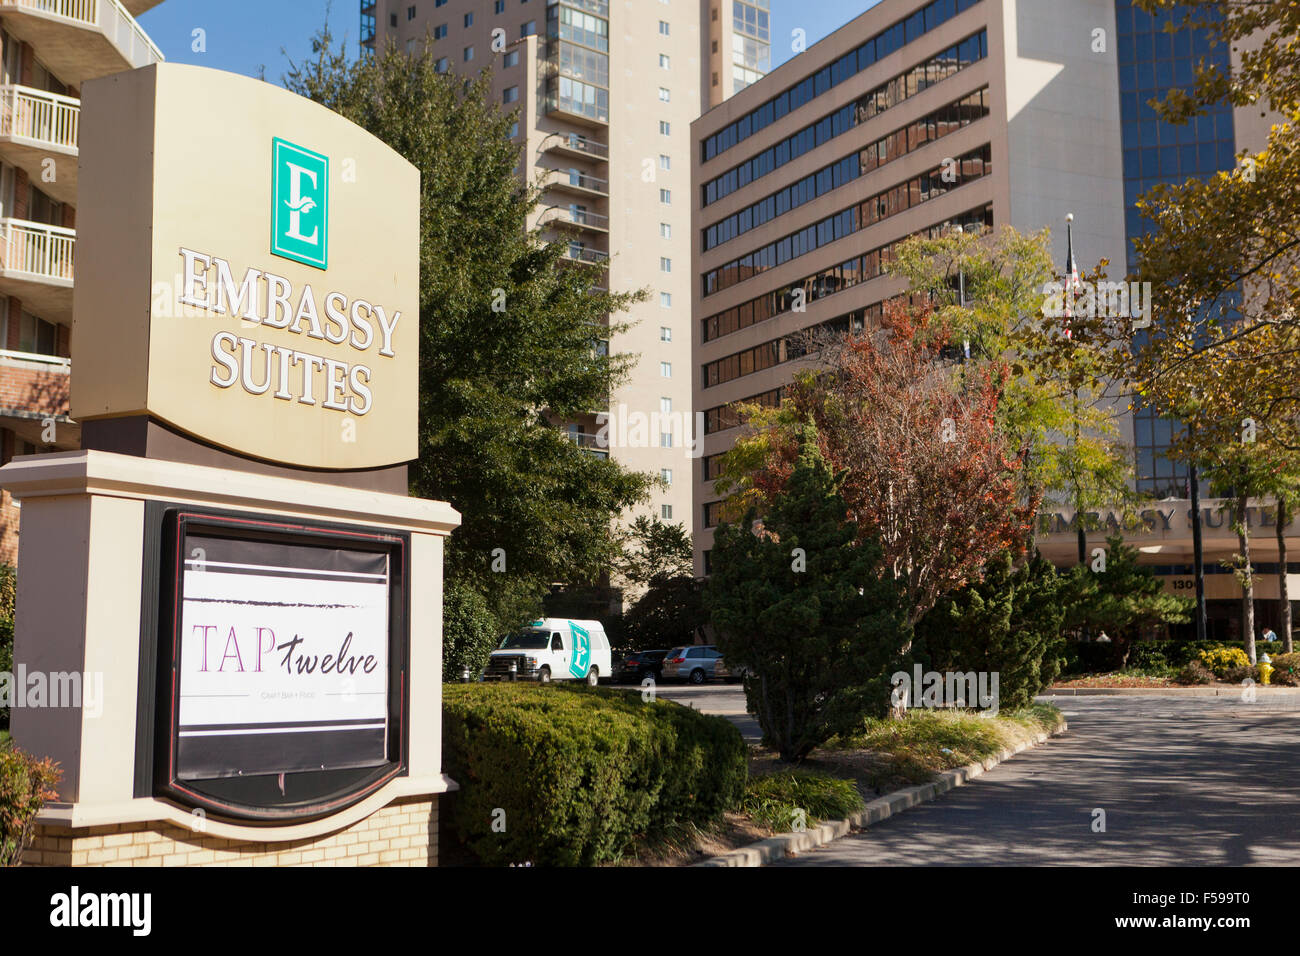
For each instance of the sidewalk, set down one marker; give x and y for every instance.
(1227, 690)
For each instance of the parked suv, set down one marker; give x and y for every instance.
(694, 663)
(637, 666)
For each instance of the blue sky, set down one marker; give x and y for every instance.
(243, 35)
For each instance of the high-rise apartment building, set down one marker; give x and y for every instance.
(48, 49)
(739, 38)
(917, 117)
(605, 94)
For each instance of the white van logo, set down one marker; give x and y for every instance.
(581, 659)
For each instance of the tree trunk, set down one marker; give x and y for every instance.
(1247, 586)
(1283, 516)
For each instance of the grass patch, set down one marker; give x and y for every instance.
(4, 738)
(782, 799)
(910, 751)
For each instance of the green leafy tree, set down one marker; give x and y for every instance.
(809, 613)
(508, 334)
(469, 631)
(653, 548)
(1123, 599)
(668, 614)
(1008, 623)
(656, 564)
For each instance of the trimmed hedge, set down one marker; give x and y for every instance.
(570, 775)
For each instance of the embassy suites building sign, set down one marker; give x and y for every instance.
(299, 374)
(271, 313)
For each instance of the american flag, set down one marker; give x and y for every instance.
(1072, 283)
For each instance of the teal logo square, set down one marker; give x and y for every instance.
(300, 204)
(581, 659)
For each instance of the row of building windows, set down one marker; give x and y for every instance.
(902, 87)
(782, 350)
(929, 185)
(722, 417)
(876, 48)
(936, 125)
(820, 284)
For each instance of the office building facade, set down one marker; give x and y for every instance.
(48, 49)
(914, 118)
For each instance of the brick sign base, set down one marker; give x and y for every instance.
(404, 833)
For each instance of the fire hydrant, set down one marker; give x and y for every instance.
(1265, 669)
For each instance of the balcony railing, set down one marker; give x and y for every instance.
(108, 16)
(581, 254)
(575, 143)
(591, 444)
(577, 180)
(35, 250)
(45, 118)
(577, 217)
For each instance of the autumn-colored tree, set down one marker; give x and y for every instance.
(926, 470)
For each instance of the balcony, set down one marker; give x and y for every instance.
(591, 444)
(36, 126)
(36, 266)
(580, 220)
(576, 252)
(577, 183)
(80, 40)
(575, 146)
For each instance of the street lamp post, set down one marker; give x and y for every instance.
(1198, 555)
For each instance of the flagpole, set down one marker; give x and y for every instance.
(1070, 279)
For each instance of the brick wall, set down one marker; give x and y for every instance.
(400, 834)
(8, 510)
(39, 391)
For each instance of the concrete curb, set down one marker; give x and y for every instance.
(1233, 690)
(788, 844)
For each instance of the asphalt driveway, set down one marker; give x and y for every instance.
(1182, 781)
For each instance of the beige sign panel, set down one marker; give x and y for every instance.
(247, 270)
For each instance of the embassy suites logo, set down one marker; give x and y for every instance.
(300, 204)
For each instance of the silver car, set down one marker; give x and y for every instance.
(694, 663)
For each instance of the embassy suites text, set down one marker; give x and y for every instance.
(271, 300)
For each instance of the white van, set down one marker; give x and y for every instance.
(553, 649)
